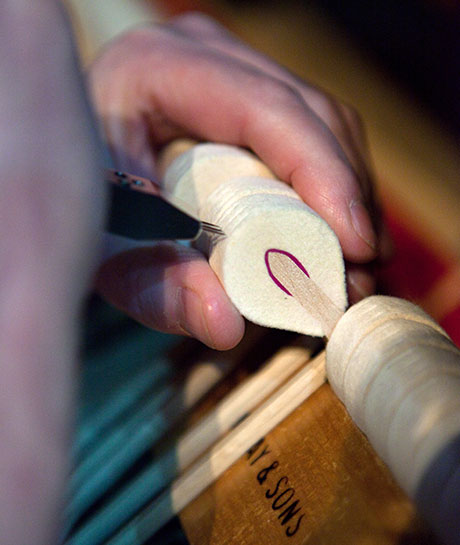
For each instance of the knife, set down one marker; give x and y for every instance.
(140, 209)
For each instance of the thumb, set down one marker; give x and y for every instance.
(172, 288)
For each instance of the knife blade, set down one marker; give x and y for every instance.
(140, 209)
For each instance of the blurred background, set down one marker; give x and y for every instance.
(417, 41)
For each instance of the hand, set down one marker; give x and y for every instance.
(192, 78)
(51, 209)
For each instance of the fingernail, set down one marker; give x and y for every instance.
(191, 316)
(362, 224)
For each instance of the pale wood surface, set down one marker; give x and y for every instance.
(346, 494)
(115, 454)
(96, 22)
(148, 426)
(223, 454)
(398, 375)
(306, 291)
(243, 399)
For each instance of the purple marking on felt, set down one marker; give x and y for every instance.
(273, 277)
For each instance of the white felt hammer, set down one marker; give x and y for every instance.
(394, 368)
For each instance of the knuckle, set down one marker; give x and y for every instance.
(273, 91)
(329, 109)
(197, 22)
(352, 115)
(138, 40)
(324, 106)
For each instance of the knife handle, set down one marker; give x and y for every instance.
(137, 211)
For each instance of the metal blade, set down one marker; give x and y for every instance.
(142, 210)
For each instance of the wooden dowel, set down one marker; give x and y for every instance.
(193, 443)
(136, 435)
(110, 388)
(117, 402)
(171, 152)
(394, 387)
(398, 375)
(210, 466)
(128, 500)
(240, 401)
(115, 454)
(96, 23)
(305, 290)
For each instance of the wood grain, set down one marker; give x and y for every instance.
(305, 290)
(345, 492)
(223, 454)
(398, 374)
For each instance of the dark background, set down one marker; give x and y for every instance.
(417, 40)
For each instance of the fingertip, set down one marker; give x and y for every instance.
(210, 317)
(173, 289)
(334, 193)
(362, 224)
(225, 323)
(351, 222)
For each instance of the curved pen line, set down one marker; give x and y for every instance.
(273, 277)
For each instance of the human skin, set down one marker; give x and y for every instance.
(51, 209)
(191, 77)
(147, 91)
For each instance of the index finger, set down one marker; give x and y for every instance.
(218, 98)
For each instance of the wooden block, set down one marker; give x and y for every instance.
(344, 493)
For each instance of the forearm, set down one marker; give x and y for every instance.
(50, 211)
